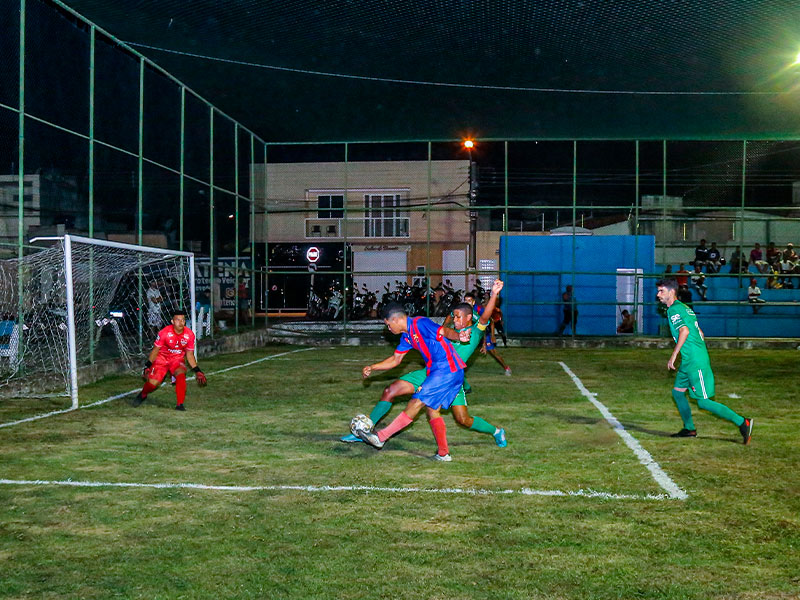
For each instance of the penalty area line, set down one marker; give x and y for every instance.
(643, 455)
(135, 390)
(585, 493)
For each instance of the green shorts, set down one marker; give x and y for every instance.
(416, 378)
(698, 379)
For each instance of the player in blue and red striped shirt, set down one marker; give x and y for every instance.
(445, 370)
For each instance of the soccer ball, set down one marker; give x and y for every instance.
(360, 423)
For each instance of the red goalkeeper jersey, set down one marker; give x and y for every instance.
(173, 346)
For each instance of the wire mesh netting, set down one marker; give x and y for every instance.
(121, 299)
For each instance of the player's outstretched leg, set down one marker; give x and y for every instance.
(384, 405)
(463, 418)
(400, 422)
(718, 409)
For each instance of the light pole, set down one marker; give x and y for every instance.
(473, 215)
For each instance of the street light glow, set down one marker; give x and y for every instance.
(469, 144)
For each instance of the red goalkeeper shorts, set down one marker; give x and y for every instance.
(168, 364)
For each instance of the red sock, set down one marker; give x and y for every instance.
(401, 421)
(440, 434)
(148, 387)
(180, 388)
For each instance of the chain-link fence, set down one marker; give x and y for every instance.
(97, 140)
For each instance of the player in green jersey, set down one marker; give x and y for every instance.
(405, 385)
(695, 373)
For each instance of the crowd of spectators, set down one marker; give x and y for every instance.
(779, 266)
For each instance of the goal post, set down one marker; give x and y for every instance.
(87, 301)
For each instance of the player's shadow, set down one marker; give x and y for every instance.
(583, 420)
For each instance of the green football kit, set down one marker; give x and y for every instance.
(694, 372)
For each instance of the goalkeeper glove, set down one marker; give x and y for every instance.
(147, 370)
(200, 377)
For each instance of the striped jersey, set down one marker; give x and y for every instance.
(427, 337)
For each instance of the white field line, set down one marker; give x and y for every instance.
(643, 455)
(335, 488)
(135, 390)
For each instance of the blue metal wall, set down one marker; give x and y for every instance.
(547, 267)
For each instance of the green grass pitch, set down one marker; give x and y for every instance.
(567, 510)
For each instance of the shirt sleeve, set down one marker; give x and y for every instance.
(159, 340)
(677, 321)
(190, 342)
(404, 345)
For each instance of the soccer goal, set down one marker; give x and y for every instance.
(81, 303)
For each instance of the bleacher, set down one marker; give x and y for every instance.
(728, 313)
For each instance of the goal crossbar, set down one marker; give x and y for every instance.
(67, 240)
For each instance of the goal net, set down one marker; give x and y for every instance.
(82, 307)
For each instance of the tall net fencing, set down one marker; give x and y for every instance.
(119, 296)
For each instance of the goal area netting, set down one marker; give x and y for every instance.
(80, 308)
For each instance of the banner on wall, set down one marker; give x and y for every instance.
(227, 290)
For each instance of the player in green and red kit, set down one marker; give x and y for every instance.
(695, 373)
(463, 318)
(173, 348)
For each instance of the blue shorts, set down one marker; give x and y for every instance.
(439, 389)
(490, 344)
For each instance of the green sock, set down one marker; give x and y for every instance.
(683, 408)
(380, 410)
(721, 411)
(479, 424)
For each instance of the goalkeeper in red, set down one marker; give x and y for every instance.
(174, 347)
(694, 373)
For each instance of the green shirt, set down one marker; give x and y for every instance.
(694, 350)
(465, 349)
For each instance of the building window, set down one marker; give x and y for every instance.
(330, 206)
(385, 215)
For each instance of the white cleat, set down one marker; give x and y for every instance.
(440, 458)
(370, 437)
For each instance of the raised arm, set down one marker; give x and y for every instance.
(490, 306)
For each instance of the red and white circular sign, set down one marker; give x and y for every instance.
(312, 254)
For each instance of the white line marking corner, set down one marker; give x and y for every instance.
(643, 455)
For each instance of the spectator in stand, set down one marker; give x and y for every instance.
(773, 282)
(757, 259)
(698, 282)
(685, 295)
(738, 261)
(701, 255)
(790, 255)
(773, 254)
(668, 272)
(788, 267)
(715, 259)
(626, 326)
(754, 296)
(682, 276)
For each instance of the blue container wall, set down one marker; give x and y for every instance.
(551, 260)
(779, 317)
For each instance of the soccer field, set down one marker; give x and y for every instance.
(249, 493)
